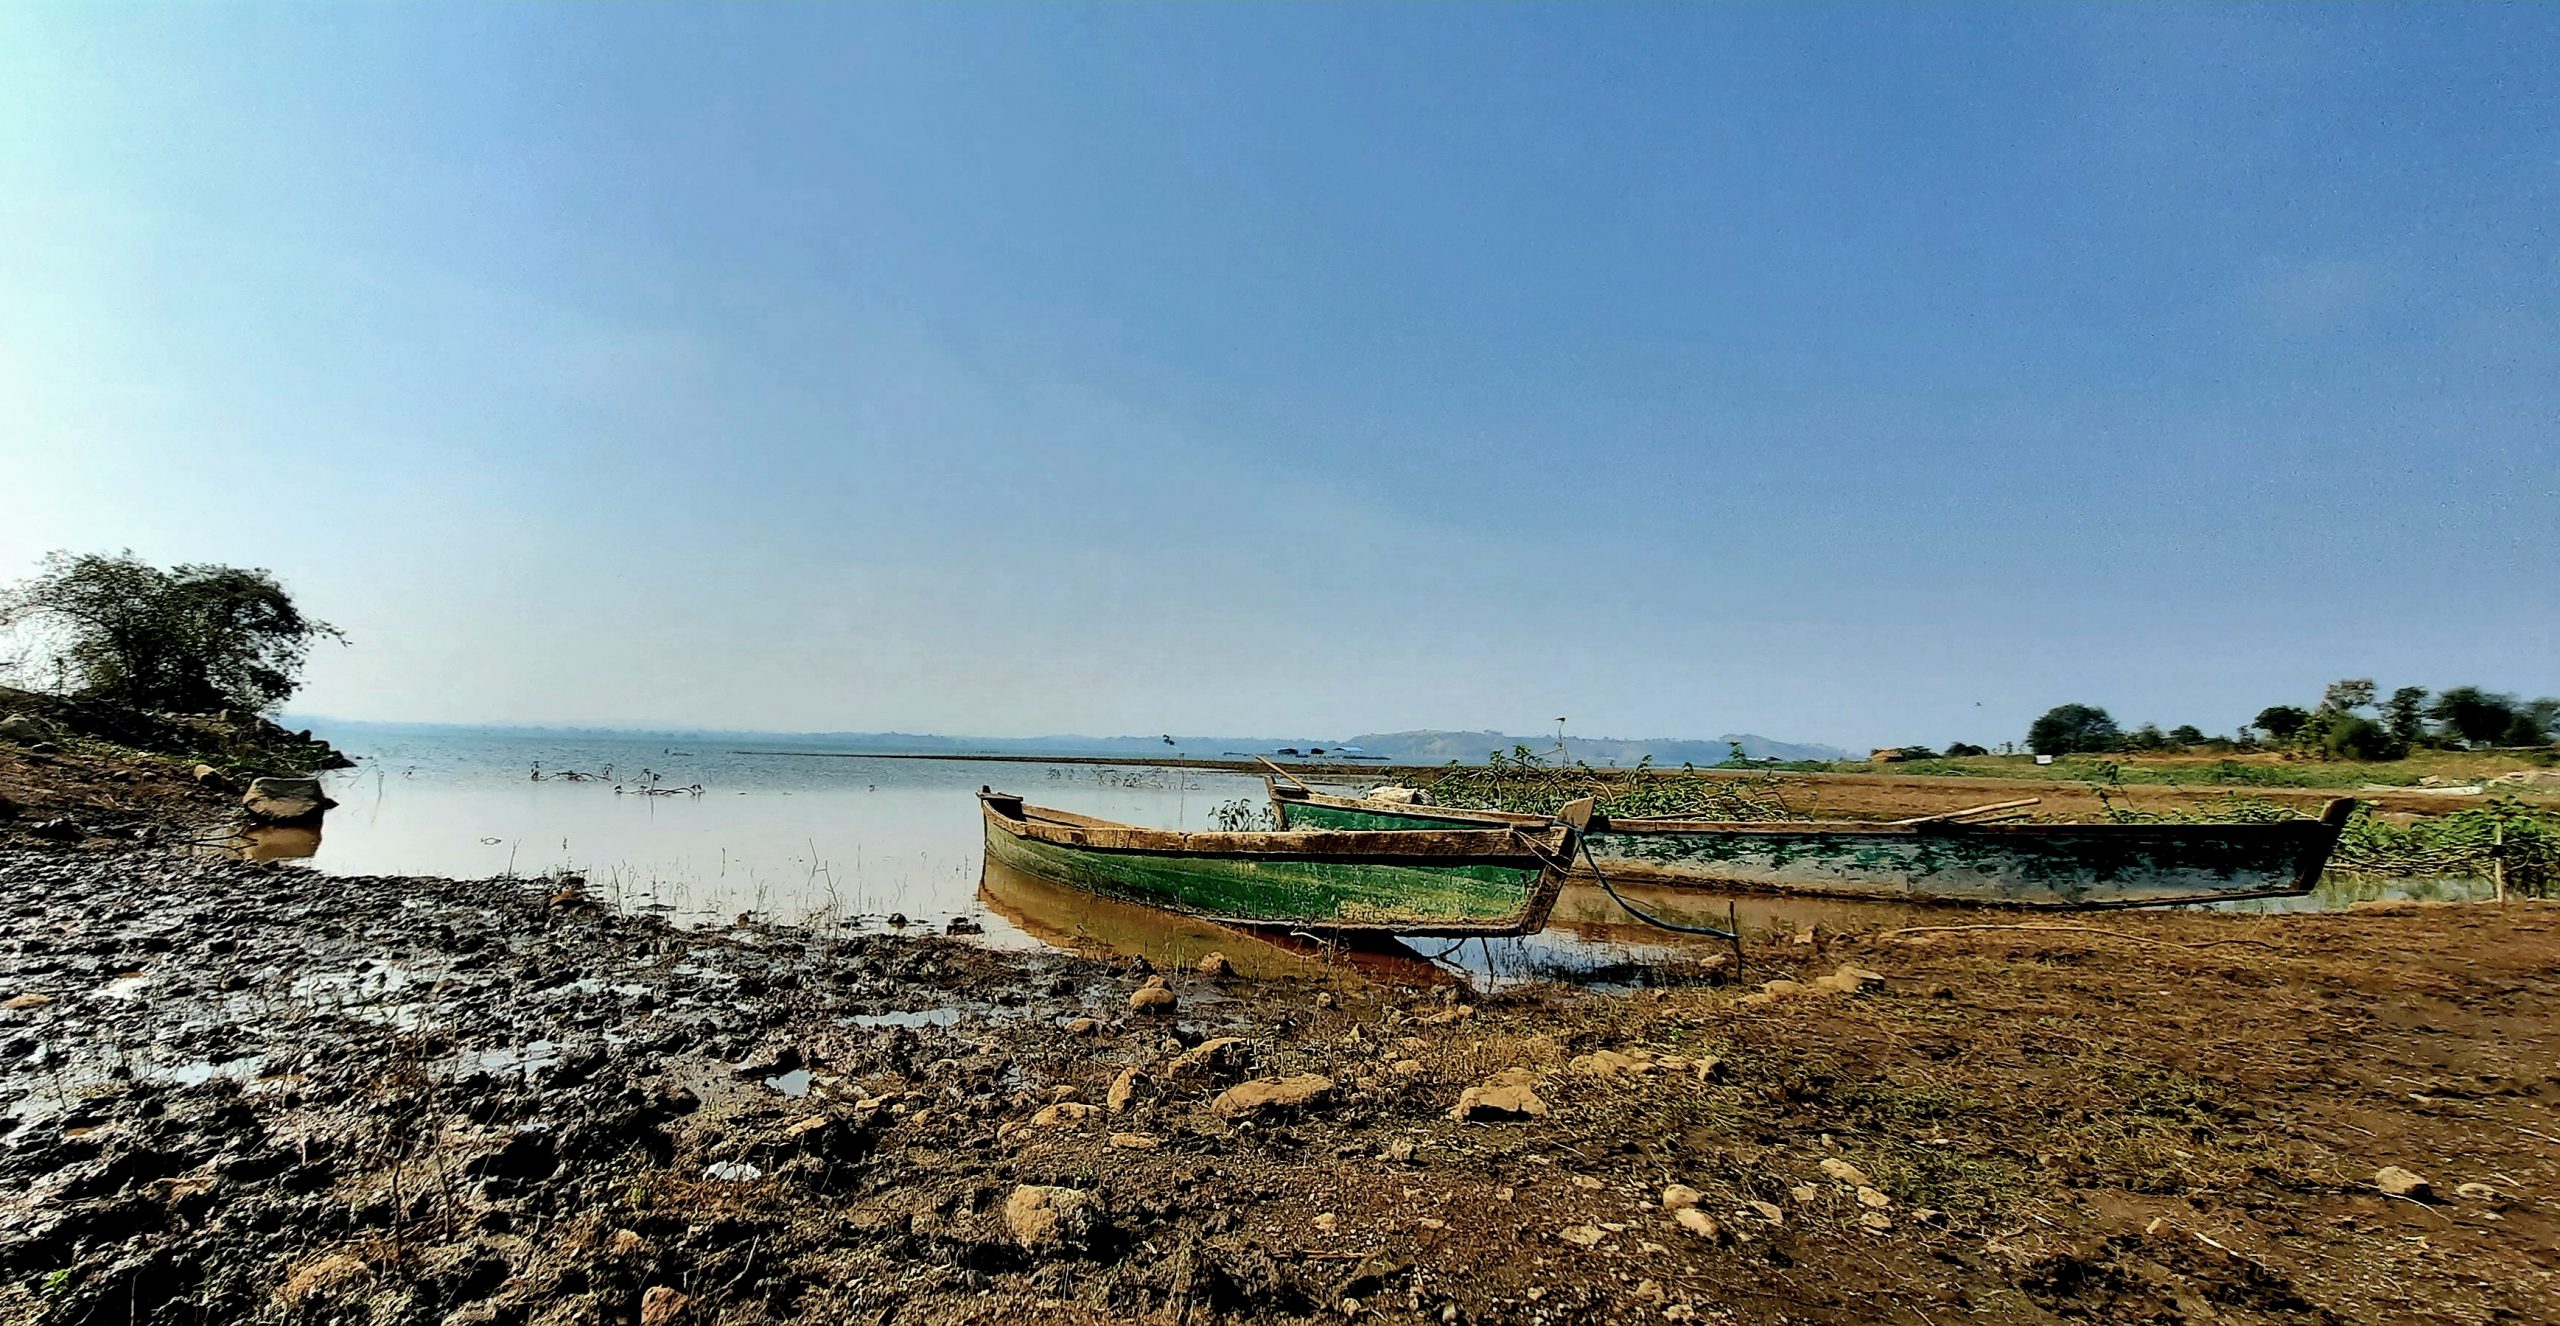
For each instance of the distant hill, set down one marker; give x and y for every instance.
(1420, 747)
(1437, 747)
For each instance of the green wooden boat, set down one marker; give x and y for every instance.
(1938, 860)
(1478, 880)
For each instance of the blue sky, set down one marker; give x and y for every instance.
(1851, 374)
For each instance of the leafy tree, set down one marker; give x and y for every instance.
(2281, 721)
(2546, 716)
(1958, 749)
(2347, 696)
(2355, 737)
(192, 638)
(2524, 731)
(2470, 714)
(2186, 734)
(2147, 737)
(2069, 728)
(2405, 714)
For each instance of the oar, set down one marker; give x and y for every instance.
(1302, 785)
(1970, 813)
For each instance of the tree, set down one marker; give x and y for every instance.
(192, 638)
(2147, 737)
(2524, 731)
(2186, 734)
(2355, 737)
(2405, 714)
(2069, 728)
(1959, 749)
(2470, 714)
(2347, 696)
(2281, 721)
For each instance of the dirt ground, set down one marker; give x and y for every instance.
(241, 1092)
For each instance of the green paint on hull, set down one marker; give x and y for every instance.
(1412, 899)
(2056, 865)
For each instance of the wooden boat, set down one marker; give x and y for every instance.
(1945, 859)
(1481, 880)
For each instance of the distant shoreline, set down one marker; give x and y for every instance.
(1324, 770)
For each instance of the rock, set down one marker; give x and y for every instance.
(1210, 1060)
(27, 729)
(1328, 1222)
(1216, 966)
(1406, 1068)
(284, 800)
(1133, 1142)
(1273, 1095)
(1681, 1195)
(208, 776)
(1123, 1088)
(1153, 997)
(323, 1279)
(2477, 1192)
(1083, 1027)
(1845, 1172)
(1509, 1094)
(961, 925)
(1877, 1221)
(1064, 1112)
(1400, 1152)
(662, 1304)
(1708, 1068)
(1699, 1224)
(626, 1243)
(28, 1000)
(772, 1062)
(1873, 1200)
(1049, 1219)
(57, 830)
(1769, 1211)
(1805, 1194)
(2399, 1182)
(1613, 1063)
(1583, 1236)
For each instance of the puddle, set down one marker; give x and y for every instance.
(794, 1083)
(921, 1017)
(533, 1057)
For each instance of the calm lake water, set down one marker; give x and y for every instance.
(851, 840)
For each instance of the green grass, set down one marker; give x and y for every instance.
(2231, 771)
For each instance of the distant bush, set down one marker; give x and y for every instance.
(2349, 737)
(2069, 729)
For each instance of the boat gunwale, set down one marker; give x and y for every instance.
(1506, 845)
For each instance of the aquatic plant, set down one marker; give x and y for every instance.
(1523, 782)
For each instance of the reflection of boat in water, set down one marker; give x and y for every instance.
(1484, 880)
(1945, 859)
(1081, 922)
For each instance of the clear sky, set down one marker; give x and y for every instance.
(1852, 374)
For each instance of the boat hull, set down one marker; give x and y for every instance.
(2060, 866)
(1409, 882)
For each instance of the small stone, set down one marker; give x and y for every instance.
(1612, 1063)
(1681, 1196)
(1133, 1142)
(1845, 1172)
(2399, 1182)
(284, 800)
(625, 1243)
(1699, 1224)
(1648, 1291)
(1708, 1068)
(1402, 1153)
(1873, 1200)
(1328, 1222)
(1782, 987)
(1153, 998)
(1122, 1088)
(1210, 1060)
(1045, 1218)
(1083, 1027)
(1406, 1068)
(1216, 966)
(1508, 1094)
(1586, 1183)
(1769, 1211)
(1064, 1112)
(28, 1000)
(2477, 1192)
(1804, 1193)
(1582, 1236)
(662, 1304)
(1266, 1095)
(1877, 1221)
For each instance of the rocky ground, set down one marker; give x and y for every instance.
(242, 1092)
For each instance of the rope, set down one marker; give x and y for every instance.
(1735, 935)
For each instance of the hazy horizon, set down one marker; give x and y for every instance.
(1842, 375)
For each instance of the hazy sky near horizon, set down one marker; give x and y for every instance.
(1852, 374)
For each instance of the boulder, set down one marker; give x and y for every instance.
(1211, 1060)
(208, 776)
(2403, 1183)
(1050, 1219)
(27, 729)
(1153, 997)
(1216, 966)
(285, 800)
(1273, 1095)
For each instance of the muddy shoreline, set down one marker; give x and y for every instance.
(243, 1092)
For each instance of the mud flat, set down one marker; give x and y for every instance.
(238, 1092)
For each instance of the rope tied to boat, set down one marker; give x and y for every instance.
(1583, 841)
